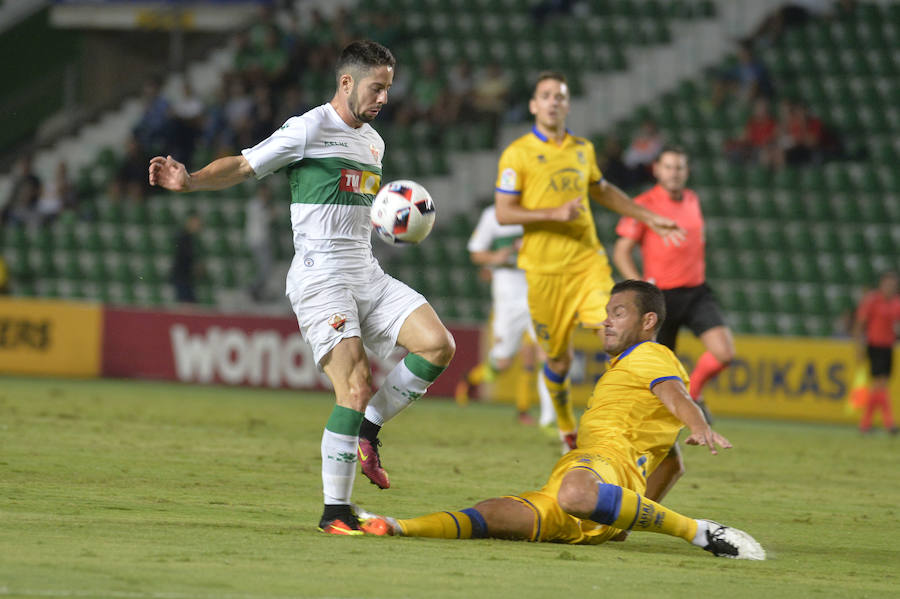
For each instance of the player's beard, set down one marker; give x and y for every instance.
(353, 105)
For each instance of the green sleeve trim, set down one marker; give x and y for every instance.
(344, 421)
(422, 368)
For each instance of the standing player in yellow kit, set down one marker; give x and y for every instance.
(544, 181)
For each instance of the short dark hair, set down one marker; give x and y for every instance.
(363, 55)
(544, 75)
(672, 149)
(648, 298)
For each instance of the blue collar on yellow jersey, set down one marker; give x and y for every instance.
(629, 350)
(541, 136)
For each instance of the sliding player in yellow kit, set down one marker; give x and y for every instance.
(544, 181)
(598, 490)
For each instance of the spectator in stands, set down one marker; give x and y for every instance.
(613, 166)
(245, 59)
(273, 56)
(748, 80)
(58, 195)
(185, 264)
(425, 100)
(491, 92)
(642, 151)
(795, 14)
(154, 129)
(759, 143)
(875, 328)
(460, 85)
(263, 114)
(21, 206)
(805, 138)
(292, 103)
(257, 234)
(187, 122)
(130, 181)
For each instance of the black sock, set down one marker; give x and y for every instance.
(369, 430)
(333, 511)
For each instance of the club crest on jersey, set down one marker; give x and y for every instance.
(375, 152)
(337, 322)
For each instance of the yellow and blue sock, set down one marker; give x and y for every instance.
(464, 524)
(558, 386)
(624, 509)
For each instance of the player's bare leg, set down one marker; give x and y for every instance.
(499, 518)
(431, 347)
(348, 369)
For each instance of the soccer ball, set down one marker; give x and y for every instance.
(402, 213)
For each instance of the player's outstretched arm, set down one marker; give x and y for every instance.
(611, 197)
(224, 172)
(511, 212)
(624, 260)
(676, 398)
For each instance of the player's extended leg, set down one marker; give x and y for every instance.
(499, 518)
(431, 347)
(348, 369)
(585, 496)
(719, 353)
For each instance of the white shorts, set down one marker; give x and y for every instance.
(511, 318)
(334, 306)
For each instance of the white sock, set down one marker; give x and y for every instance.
(338, 466)
(401, 387)
(548, 412)
(700, 537)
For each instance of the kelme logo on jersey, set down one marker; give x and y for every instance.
(359, 181)
(567, 179)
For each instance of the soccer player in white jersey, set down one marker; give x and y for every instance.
(496, 246)
(342, 298)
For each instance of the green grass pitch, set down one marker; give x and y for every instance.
(139, 490)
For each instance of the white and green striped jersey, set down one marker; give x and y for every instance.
(334, 172)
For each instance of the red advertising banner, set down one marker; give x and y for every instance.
(259, 351)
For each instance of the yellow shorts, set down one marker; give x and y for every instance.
(560, 301)
(552, 524)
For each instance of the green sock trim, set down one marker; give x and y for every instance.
(422, 368)
(344, 421)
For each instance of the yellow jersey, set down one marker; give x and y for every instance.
(546, 175)
(625, 416)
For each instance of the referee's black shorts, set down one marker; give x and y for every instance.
(880, 360)
(692, 307)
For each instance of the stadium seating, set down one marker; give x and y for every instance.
(788, 251)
